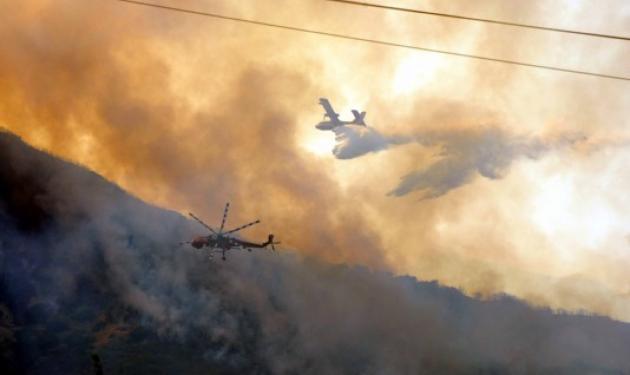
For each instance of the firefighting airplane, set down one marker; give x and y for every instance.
(220, 241)
(333, 117)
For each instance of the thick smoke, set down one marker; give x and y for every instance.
(88, 266)
(122, 113)
(188, 112)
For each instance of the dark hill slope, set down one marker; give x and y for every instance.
(87, 268)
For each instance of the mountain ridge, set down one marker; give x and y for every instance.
(86, 267)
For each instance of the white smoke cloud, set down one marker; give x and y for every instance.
(353, 141)
(487, 152)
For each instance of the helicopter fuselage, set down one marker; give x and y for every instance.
(213, 241)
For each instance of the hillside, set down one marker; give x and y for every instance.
(87, 268)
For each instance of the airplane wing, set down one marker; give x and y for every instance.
(330, 112)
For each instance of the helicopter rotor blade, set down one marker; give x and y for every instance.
(243, 227)
(201, 222)
(225, 213)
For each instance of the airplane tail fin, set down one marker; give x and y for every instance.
(271, 242)
(358, 117)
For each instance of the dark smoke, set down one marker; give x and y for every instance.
(89, 269)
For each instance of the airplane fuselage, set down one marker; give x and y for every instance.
(333, 117)
(329, 125)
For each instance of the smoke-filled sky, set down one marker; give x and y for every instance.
(487, 177)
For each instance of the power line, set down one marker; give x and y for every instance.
(374, 41)
(506, 23)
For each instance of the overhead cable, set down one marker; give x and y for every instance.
(486, 20)
(373, 41)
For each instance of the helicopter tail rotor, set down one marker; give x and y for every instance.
(271, 242)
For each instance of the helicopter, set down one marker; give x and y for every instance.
(224, 241)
